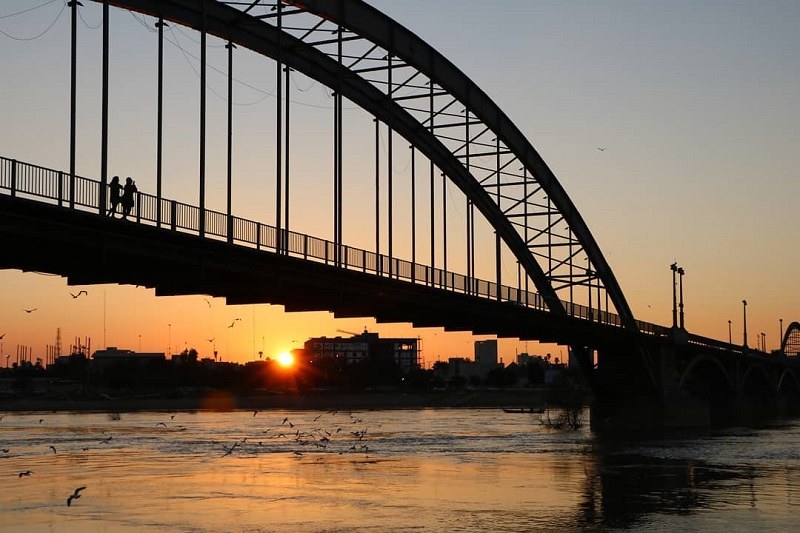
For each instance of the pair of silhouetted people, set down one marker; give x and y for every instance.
(120, 194)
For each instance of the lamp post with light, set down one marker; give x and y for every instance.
(680, 279)
(674, 268)
(744, 315)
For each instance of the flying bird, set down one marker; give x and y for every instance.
(161, 424)
(207, 301)
(53, 448)
(74, 296)
(6, 450)
(602, 149)
(1, 338)
(26, 473)
(234, 322)
(29, 311)
(75, 495)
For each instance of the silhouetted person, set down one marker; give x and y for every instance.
(127, 197)
(114, 189)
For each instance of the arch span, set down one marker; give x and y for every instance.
(790, 344)
(708, 370)
(756, 381)
(549, 238)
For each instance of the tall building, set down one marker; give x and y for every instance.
(486, 354)
(403, 351)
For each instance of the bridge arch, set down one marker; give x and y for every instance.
(788, 383)
(756, 381)
(551, 255)
(706, 375)
(790, 344)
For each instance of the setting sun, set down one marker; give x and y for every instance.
(285, 359)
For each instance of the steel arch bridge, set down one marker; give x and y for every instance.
(790, 344)
(376, 63)
(411, 91)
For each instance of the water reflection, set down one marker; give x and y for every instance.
(426, 470)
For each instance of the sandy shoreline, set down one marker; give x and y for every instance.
(226, 401)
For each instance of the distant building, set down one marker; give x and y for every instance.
(463, 367)
(524, 358)
(486, 355)
(102, 359)
(403, 351)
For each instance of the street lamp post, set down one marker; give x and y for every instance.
(744, 315)
(680, 279)
(674, 268)
(780, 335)
(730, 337)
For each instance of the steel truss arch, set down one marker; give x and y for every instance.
(484, 164)
(790, 344)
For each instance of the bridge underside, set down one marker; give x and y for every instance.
(89, 249)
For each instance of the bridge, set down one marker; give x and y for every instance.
(516, 217)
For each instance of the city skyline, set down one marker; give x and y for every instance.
(687, 102)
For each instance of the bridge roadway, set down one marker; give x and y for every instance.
(87, 248)
(657, 376)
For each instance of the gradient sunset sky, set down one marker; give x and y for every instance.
(695, 103)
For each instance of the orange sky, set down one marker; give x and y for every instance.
(696, 105)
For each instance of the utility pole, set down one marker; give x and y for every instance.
(744, 314)
(674, 268)
(680, 279)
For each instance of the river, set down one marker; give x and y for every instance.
(385, 471)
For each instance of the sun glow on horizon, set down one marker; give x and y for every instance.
(285, 359)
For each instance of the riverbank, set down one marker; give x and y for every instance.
(222, 401)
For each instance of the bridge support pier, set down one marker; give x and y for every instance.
(651, 413)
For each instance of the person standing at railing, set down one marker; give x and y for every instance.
(127, 197)
(114, 189)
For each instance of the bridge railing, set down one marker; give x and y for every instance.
(56, 187)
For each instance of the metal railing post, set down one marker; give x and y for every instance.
(173, 215)
(101, 201)
(138, 207)
(258, 235)
(13, 177)
(60, 188)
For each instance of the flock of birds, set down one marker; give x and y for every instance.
(82, 292)
(344, 432)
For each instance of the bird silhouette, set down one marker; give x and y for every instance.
(234, 322)
(1, 338)
(161, 424)
(53, 448)
(107, 440)
(602, 149)
(26, 473)
(211, 340)
(74, 296)
(29, 311)
(6, 450)
(75, 495)
(255, 413)
(230, 450)
(207, 301)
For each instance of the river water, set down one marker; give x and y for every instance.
(385, 471)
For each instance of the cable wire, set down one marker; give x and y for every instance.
(40, 34)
